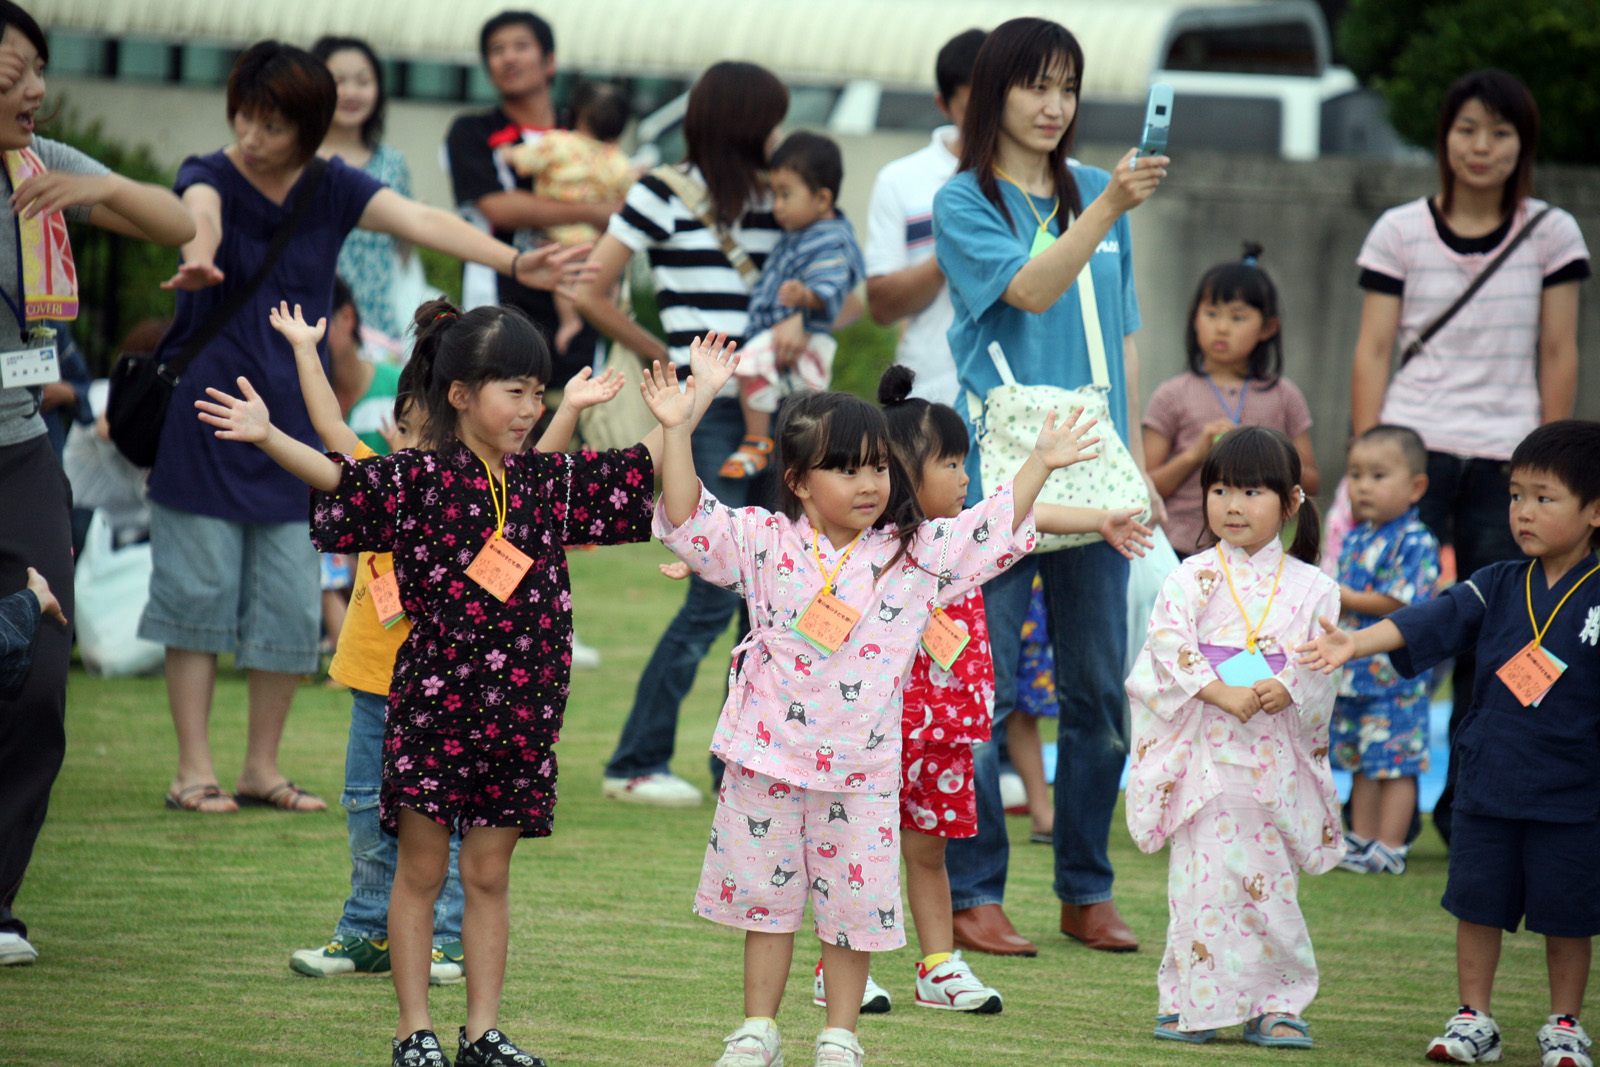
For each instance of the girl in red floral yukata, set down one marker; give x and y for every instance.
(946, 710)
(478, 528)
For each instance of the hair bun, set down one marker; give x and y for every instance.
(1252, 253)
(895, 385)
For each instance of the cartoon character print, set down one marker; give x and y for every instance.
(1199, 953)
(758, 827)
(886, 918)
(728, 886)
(1189, 660)
(886, 835)
(981, 534)
(854, 879)
(854, 780)
(842, 939)
(888, 613)
(757, 912)
(785, 566)
(827, 850)
(700, 544)
(820, 887)
(778, 789)
(796, 713)
(1255, 886)
(870, 652)
(836, 812)
(850, 691)
(825, 757)
(1207, 580)
(781, 877)
(802, 665)
(874, 739)
(763, 735)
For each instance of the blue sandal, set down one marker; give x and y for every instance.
(1254, 1036)
(1191, 1037)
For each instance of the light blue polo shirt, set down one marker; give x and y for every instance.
(980, 254)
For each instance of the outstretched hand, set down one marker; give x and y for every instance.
(1124, 532)
(235, 419)
(712, 360)
(192, 277)
(1330, 651)
(585, 389)
(671, 406)
(295, 329)
(1062, 446)
(678, 571)
(554, 267)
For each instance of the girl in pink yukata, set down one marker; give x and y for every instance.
(1230, 763)
(478, 526)
(843, 584)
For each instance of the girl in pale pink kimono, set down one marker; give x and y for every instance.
(1231, 753)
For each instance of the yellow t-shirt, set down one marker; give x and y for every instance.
(364, 658)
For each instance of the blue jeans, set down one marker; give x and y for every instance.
(372, 852)
(1086, 594)
(648, 736)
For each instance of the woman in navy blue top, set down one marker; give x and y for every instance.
(234, 568)
(1012, 231)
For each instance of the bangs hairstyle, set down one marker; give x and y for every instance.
(1019, 52)
(1506, 98)
(12, 16)
(815, 159)
(487, 344)
(372, 125)
(835, 432)
(1259, 457)
(1241, 280)
(1568, 451)
(732, 110)
(274, 77)
(919, 430)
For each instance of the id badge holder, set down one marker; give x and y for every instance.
(38, 364)
(499, 567)
(1244, 669)
(1042, 239)
(944, 639)
(1530, 673)
(826, 623)
(385, 593)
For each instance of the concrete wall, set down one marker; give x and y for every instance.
(1311, 217)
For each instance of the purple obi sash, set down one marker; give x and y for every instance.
(1216, 655)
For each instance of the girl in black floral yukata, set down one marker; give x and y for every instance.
(478, 528)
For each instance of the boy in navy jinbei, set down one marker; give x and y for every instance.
(1527, 798)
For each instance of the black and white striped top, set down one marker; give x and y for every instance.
(697, 289)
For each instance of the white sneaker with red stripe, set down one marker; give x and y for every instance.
(874, 999)
(952, 986)
(1562, 1043)
(1469, 1037)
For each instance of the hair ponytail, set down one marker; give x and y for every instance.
(1307, 545)
(1250, 457)
(918, 430)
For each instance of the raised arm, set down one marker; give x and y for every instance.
(711, 363)
(248, 420)
(673, 409)
(1121, 528)
(583, 391)
(199, 269)
(323, 407)
(134, 209)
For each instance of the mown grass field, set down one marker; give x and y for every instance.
(165, 937)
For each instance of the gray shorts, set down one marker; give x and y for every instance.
(247, 588)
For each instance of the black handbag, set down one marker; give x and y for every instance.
(142, 382)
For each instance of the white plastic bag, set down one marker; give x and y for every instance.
(111, 586)
(1146, 574)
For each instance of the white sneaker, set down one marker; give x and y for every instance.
(1562, 1043)
(837, 1047)
(1357, 854)
(584, 657)
(754, 1044)
(15, 950)
(874, 999)
(1013, 794)
(662, 790)
(952, 986)
(1469, 1037)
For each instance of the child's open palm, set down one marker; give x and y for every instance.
(1062, 446)
(295, 329)
(1330, 651)
(236, 419)
(1124, 532)
(671, 406)
(585, 390)
(712, 360)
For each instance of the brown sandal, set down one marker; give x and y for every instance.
(285, 796)
(192, 798)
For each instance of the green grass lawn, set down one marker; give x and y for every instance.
(164, 937)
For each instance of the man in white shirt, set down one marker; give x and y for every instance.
(903, 278)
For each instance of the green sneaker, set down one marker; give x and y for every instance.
(447, 967)
(342, 955)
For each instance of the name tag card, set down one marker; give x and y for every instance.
(1245, 669)
(30, 366)
(499, 567)
(826, 622)
(1530, 674)
(944, 639)
(385, 593)
(1042, 239)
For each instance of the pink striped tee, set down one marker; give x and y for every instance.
(1473, 389)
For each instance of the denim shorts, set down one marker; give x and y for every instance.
(247, 588)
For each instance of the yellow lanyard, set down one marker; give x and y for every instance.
(1249, 631)
(1539, 631)
(1044, 223)
(827, 576)
(500, 502)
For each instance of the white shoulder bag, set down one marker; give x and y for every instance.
(1008, 421)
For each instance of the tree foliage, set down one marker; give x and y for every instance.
(1412, 50)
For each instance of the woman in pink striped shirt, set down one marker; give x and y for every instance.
(1507, 361)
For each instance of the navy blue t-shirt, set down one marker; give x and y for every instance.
(1515, 762)
(194, 471)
